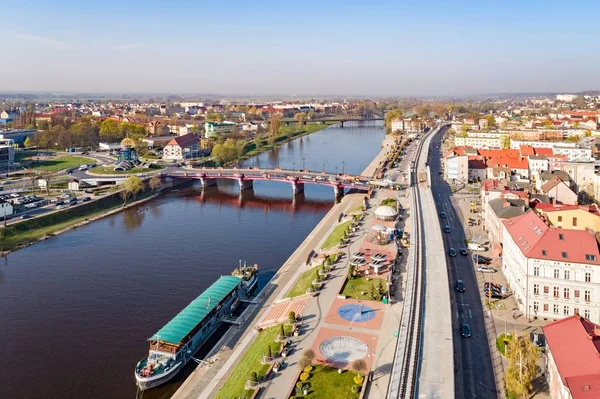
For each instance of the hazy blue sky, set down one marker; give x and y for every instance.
(309, 47)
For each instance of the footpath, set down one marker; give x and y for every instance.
(207, 378)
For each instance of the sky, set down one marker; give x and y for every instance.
(368, 48)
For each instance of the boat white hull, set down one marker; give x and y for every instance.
(145, 383)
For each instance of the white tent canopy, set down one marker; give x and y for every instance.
(385, 212)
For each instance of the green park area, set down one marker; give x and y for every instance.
(326, 382)
(235, 386)
(108, 170)
(336, 235)
(360, 288)
(302, 284)
(56, 164)
(389, 202)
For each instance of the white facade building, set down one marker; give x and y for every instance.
(553, 273)
(488, 140)
(457, 168)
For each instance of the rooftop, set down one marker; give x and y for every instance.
(575, 346)
(181, 325)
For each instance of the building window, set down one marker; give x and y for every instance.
(566, 293)
(564, 255)
(556, 273)
(536, 289)
(566, 310)
(544, 253)
(556, 309)
(590, 257)
(576, 294)
(588, 277)
(536, 306)
(586, 313)
(587, 295)
(546, 289)
(567, 274)
(536, 270)
(559, 221)
(576, 311)
(556, 292)
(574, 222)
(560, 236)
(545, 307)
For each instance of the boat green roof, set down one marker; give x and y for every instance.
(182, 324)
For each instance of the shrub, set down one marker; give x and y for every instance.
(355, 389)
(304, 362)
(281, 331)
(309, 354)
(359, 379)
(308, 369)
(268, 353)
(299, 385)
(304, 376)
(292, 316)
(253, 377)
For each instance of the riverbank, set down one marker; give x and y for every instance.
(250, 150)
(205, 381)
(32, 231)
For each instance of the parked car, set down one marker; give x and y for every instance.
(460, 286)
(443, 215)
(85, 199)
(538, 339)
(452, 252)
(59, 203)
(447, 229)
(486, 269)
(25, 216)
(482, 260)
(463, 251)
(63, 206)
(465, 330)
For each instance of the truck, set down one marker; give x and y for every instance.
(473, 246)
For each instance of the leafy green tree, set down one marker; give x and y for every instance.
(274, 127)
(506, 142)
(391, 115)
(131, 187)
(214, 117)
(491, 121)
(28, 142)
(522, 366)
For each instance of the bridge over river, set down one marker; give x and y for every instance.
(297, 178)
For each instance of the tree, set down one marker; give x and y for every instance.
(154, 182)
(304, 362)
(300, 117)
(28, 143)
(311, 113)
(506, 142)
(275, 124)
(268, 353)
(391, 115)
(131, 187)
(491, 121)
(308, 354)
(522, 363)
(464, 129)
(214, 117)
(359, 366)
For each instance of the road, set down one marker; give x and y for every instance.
(474, 375)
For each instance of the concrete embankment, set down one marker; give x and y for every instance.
(205, 381)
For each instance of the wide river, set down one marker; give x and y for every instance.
(76, 310)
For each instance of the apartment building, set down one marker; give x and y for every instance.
(578, 217)
(492, 140)
(553, 273)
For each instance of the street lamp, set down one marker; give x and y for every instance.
(323, 168)
(336, 168)
(303, 163)
(293, 168)
(343, 166)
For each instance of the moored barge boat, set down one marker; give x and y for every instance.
(177, 342)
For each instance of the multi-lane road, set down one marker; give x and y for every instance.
(474, 374)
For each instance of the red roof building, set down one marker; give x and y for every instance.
(573, 358)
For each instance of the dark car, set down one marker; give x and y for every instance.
(85, 199)
(443, 215)
(73, 201)
(465, 330)
(460, 286)
(447, 229)
(25, 216)
(59, 203)
(464, 252)
(452, 252)
(538, 339)
(481, 260)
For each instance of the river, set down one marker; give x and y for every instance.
(76, 310)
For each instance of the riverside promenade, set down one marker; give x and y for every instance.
(205, 381)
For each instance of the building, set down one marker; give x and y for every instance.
(6, 208)
(492, 140)
(578, 217)
(552, 272)
(7, 155)
(158, 141)
(108, 146)
(537, 164)
(212, 129)
(559, 191)
(18, 135)
(566, 97)
(457, 168)
(573, 358)
(157, 128)
(182, 147)
(408, 125)
(500, 209)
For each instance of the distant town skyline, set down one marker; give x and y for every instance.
(383, 48)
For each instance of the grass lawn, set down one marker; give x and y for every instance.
(354, 288)
(101, 170)
(302, 283)
(60, 163)
(500, 343)
(326, 382)
(336, 235)
(389, 202)
(234, 387)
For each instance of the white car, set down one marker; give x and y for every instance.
(486, 269)
(63, 206)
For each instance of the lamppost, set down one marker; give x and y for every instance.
(336, 168)
(323, 168)
(293, 168)
(343, 166)
(303, 163)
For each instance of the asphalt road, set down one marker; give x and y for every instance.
(474, 375)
